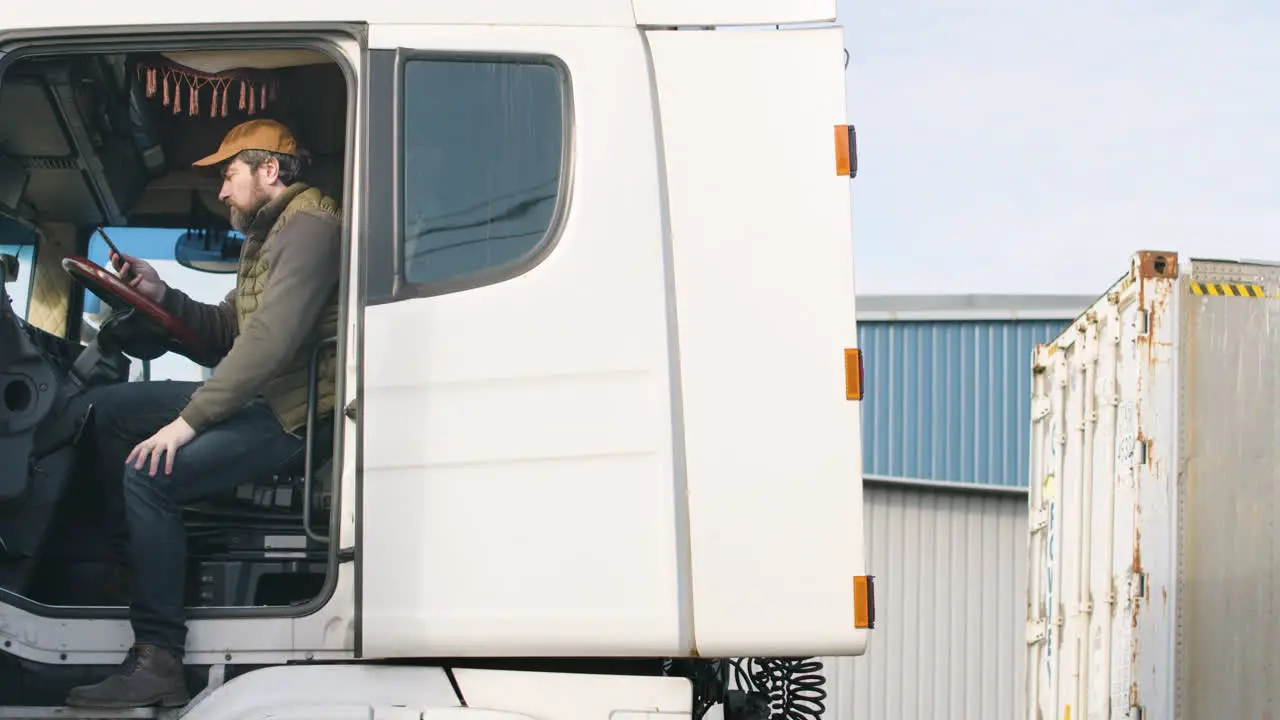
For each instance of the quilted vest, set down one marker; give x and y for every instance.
(286, 393)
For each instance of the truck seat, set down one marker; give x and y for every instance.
(251, 547)
(260, 544)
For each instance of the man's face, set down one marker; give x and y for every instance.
(244, 191)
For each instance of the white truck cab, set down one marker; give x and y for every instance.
(598, 376)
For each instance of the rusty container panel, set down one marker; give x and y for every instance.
(1154, 496)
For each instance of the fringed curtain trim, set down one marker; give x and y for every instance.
(172, 81)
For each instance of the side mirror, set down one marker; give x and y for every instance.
(209, 251)
(9, 268)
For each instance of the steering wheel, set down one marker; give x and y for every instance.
(125, 300)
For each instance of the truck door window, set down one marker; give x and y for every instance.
(483, 155)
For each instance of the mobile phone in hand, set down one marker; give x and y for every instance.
(116, 251)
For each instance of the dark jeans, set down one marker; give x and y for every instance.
(248, 445)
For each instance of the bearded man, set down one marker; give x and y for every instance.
(178, 442)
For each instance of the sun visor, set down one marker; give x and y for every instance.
(13, 182)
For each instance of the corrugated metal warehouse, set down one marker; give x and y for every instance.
(945, 444)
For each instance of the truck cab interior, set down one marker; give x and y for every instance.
(97, 145)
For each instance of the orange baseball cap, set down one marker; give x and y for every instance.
(253, 135)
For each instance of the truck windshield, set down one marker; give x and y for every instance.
(157, 247)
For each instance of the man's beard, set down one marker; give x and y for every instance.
(241, 220)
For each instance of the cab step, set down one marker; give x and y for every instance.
(217, 676)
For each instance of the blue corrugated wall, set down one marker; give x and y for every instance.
(950, 401)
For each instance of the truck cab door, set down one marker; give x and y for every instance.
(516, 495)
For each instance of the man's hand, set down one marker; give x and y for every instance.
(139, 275)
(167, 441)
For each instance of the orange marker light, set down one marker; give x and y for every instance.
(842, 149)
(853, 374)
(864, 602)
(846, 151)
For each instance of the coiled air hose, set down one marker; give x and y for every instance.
(792, 687)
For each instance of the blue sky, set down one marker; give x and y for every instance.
(1031, 147)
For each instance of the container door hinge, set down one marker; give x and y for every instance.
(1142, 322)
(350, 410)
(1140, 452)
(1039, 519)
(346, 554)
(1036, 632)
(1138, 586)
(1040, 408)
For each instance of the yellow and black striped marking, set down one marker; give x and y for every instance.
(1227, 290)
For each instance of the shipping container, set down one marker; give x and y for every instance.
(1153, 587)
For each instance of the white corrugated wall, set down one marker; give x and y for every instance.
(950, 567)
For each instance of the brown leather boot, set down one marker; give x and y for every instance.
(149, 675)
